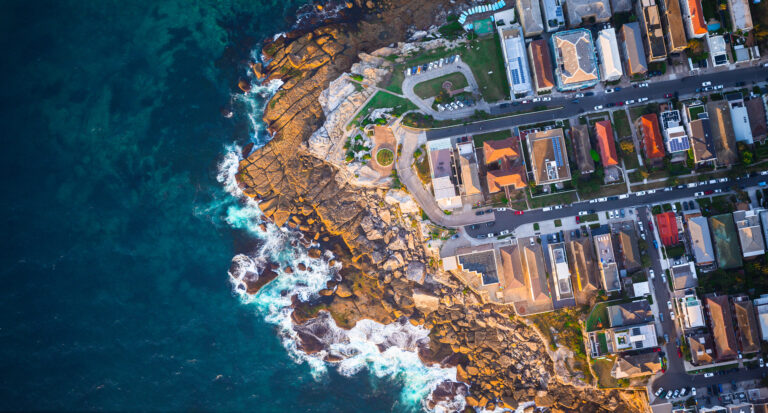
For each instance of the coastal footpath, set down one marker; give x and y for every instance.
(385, 274)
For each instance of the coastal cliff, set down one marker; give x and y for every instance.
(384, 273)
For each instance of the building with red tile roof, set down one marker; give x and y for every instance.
(694, 16)
(541, 62)
(606, 143)
(503, 164)
(667, 224)
(652, 140)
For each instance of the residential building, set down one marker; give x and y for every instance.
(515, 60)
(749, 341)
(581, 257)
(717, 50)
(722, 133)
(633, 49)
(606, 259)
(667, 225)
(756, 114)
(695, 24)
(741, 17)
(654, 34)
(691, 310)
(549, 159)
(701, 241)
(641, 288)
(630, 366)
(591, 11)
(629, 314)
(724, 237)
(503, 164)
(702, 140)
(479, 262)
(554, 19)
(740, 53)
(684, 276)
(468, 166)
(632, 326)
(675, 137)
(541, 63)
(648, 126)
(721, 326)
(761, 307)
(628, 243)
(582, 148)
(529, 12)
(739, 118)
(702, 348)
(562, 273)
(608, 51)
(750, 232)
(619, 6)
(676, 39)
(764, 220)
(575, 60)
(606, 143)
(670, 119)
(440, 163)
(533, 266)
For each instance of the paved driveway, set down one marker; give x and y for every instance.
(425, 105)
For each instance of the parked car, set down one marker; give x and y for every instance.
(505, 232)
(491, 235)
(629, 102)
(653, 276)
(602, 199)
(672, 316)
(582, 213)
(546, 209)
(479, 213)
(699, 194)
(481, 236)
(693, 391)
(640, 193)
(599, 107)
(656, 245)
(709, 375)
(624, 196)
(659, 391)
(669, 305)
(668, 95)
(684, 390)
(762, 363)
(643, 99)
(705, 84)
(518, 212)
(501, 209)
(557, 207)
(676, 394)
(578, 95)
(609, 90)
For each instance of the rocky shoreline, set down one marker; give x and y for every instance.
(383, 273)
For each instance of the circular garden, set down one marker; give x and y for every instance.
(385, 157)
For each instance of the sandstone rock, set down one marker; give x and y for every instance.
(425, 302)
(343, 291)
(314, 253)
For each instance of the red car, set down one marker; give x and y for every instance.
(619, 103)
(577, 219)
(679, 353)
(650, 225)
(709, 192)
(656, 350)
(668, 95)
(518, 212)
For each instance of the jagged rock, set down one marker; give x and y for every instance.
(343, 291)
(425, 302)
(314, 253)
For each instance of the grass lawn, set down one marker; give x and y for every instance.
(491, 136)
(385, 157)
(630, 158)
(396, 81)
(693, 112)
(433, 87)
(384, 100)
(422, 169)
(602, 368)
(602, 343)
(598, 318)
(637, 111)
(485, 58)
(549, 200)
(621, 124)
(610, 190)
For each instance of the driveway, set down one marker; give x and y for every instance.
(425, 105)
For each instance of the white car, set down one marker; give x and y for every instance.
(651, 191)
(763, 172)
(722, 180)
(672, 315)
(705, 84)
(602, 199)
(546, 99)
(640, 193)
(718, 87)
(629, 102)
(669, 305)
(524, 102)
(599, 107)
(610, 215)
(592, 201)
(667, 189)
(712, 181)
(578, 95)
(693, 391)
(653, 275)
(582, 213)
(505, 232)
(623, 196)
(692, 185)
(643, 85)
(658, 392)
(669, 395)
(674, 208)
(609, 90)
(697, 194)
(536, 100)
(664, 277)
(717, 191)
(546, 209)
(557, 207)
(640, 100)
(709, 374)
(683, 391)
(501, 209)
(762, 363)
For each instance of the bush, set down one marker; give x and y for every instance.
(385, 157)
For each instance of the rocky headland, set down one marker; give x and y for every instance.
(385, 274)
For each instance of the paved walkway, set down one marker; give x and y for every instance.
(425, 105)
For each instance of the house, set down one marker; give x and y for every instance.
(541, 63)
(515, 60)
(725, 240)
(741, 17)
(635, 337)
(619, 6)
(575, 60)
(675, 137)
(756, 114)
(721, 326)
(581, 257)
(684, 276)
(606, 143)
(582, 149)
(742, 131)
(749, 341)
(761, 307)
(468, 166)
(591, 11)
(504, 167)
(479, 262)
(701, 241)
(702, 348)
(562, 273)
(608, 51)
(676, 39)
(695, 24)
(606, 260)
(633, 49)
(722, 133)
(554, 19)
(717, 50)
(750, 232)
(529, 12)
(702, 140)
(533, 266)
(440, 164)
(628, 242)
(648, 126)
(630, 366)
(691, 309)
(549, 159)
(629, 314)
(667, 226)
(654, 34)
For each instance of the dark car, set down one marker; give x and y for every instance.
(489, 210)
(475, 226)
(617, 89)
(610, 105)
(479, 213)
(490, 224)
(589, 94)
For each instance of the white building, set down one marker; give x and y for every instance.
(750, 232)
(440, 162)
(529, 13)
(741, 17)
(515, 60)
(761, 306)
(691, 310)
(608, 50)
(717, 50)
(742, 131)
(554, 19)
(559, 262)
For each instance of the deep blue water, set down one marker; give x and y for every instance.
(115, 251)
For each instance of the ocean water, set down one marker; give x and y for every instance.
(121, 223)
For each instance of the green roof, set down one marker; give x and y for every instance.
(725, 239)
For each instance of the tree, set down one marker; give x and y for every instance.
(627, 146)
(746, 157)
(595, 156)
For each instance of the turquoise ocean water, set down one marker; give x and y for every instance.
(119, 226)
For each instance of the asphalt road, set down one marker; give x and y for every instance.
(508, 219)
(655, 90)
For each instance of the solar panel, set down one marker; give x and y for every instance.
(515, 77)
(558, 154)
(522, 75)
